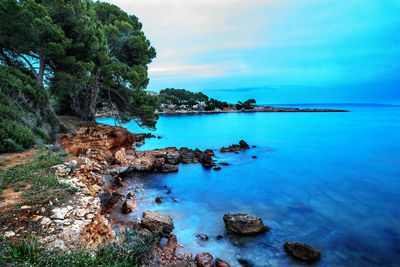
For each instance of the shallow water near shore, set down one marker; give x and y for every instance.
(331, 180)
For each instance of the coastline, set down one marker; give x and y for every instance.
(230, 110)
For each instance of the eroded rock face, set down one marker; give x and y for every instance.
(157, 221)
(120, 156)
(204, 259)
(244, 224)
(302, 251)
(221, 263)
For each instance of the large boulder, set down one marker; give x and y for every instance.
(157, 221)
(244, 224)
(204, 259)
(302, 251)
(130, 205)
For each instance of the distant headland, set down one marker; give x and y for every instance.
(181, 101)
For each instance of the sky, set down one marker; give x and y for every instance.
(276, 51)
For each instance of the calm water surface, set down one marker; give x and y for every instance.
(331, 180)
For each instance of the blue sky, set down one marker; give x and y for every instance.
(277, 51)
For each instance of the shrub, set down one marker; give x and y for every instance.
(20, 135)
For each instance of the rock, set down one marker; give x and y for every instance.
(207, 161)
(130, 195)
(204, 259)
(302, 251)
(217, 168)
(169, 168)
(187, 155)
(209, 152)
(158, 200)
(221, 263)
(25, 207)
(202, 237)
(157, 221)
(130, 205)
(254, 157)
(169, 248)
(9, 234)
(219, 237)
(59, 213)
(245, 263)
(244, 224)
(172, 157)
(235, 148)
(253, 146)
(243, 144)
(224, 163)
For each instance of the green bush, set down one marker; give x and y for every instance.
(25, 112)
(20, 135)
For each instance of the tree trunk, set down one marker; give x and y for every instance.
(91, 98)
(76, 105)
(40, 75)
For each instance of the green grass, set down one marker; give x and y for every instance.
(128, 250)
(36, 179)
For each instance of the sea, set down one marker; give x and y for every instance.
(330, 180)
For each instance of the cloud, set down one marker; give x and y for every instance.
(240, 43)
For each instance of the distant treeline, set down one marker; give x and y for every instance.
(184, 98)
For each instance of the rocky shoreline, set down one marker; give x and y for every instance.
(102, 158)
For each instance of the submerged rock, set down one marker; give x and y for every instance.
(158, 200)
(244, 224)
(302, 251)
(217, 168)
(245, 263)
(224, 163)
(202, 237)
(221, 263)
(157, 221)
(204, 259)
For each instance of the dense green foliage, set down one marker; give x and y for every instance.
(182, 97)
(185, 98)
(248, 104)
(129, 250)
(26, 117)
(89, 54)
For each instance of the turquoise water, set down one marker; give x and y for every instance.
(331, 180)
